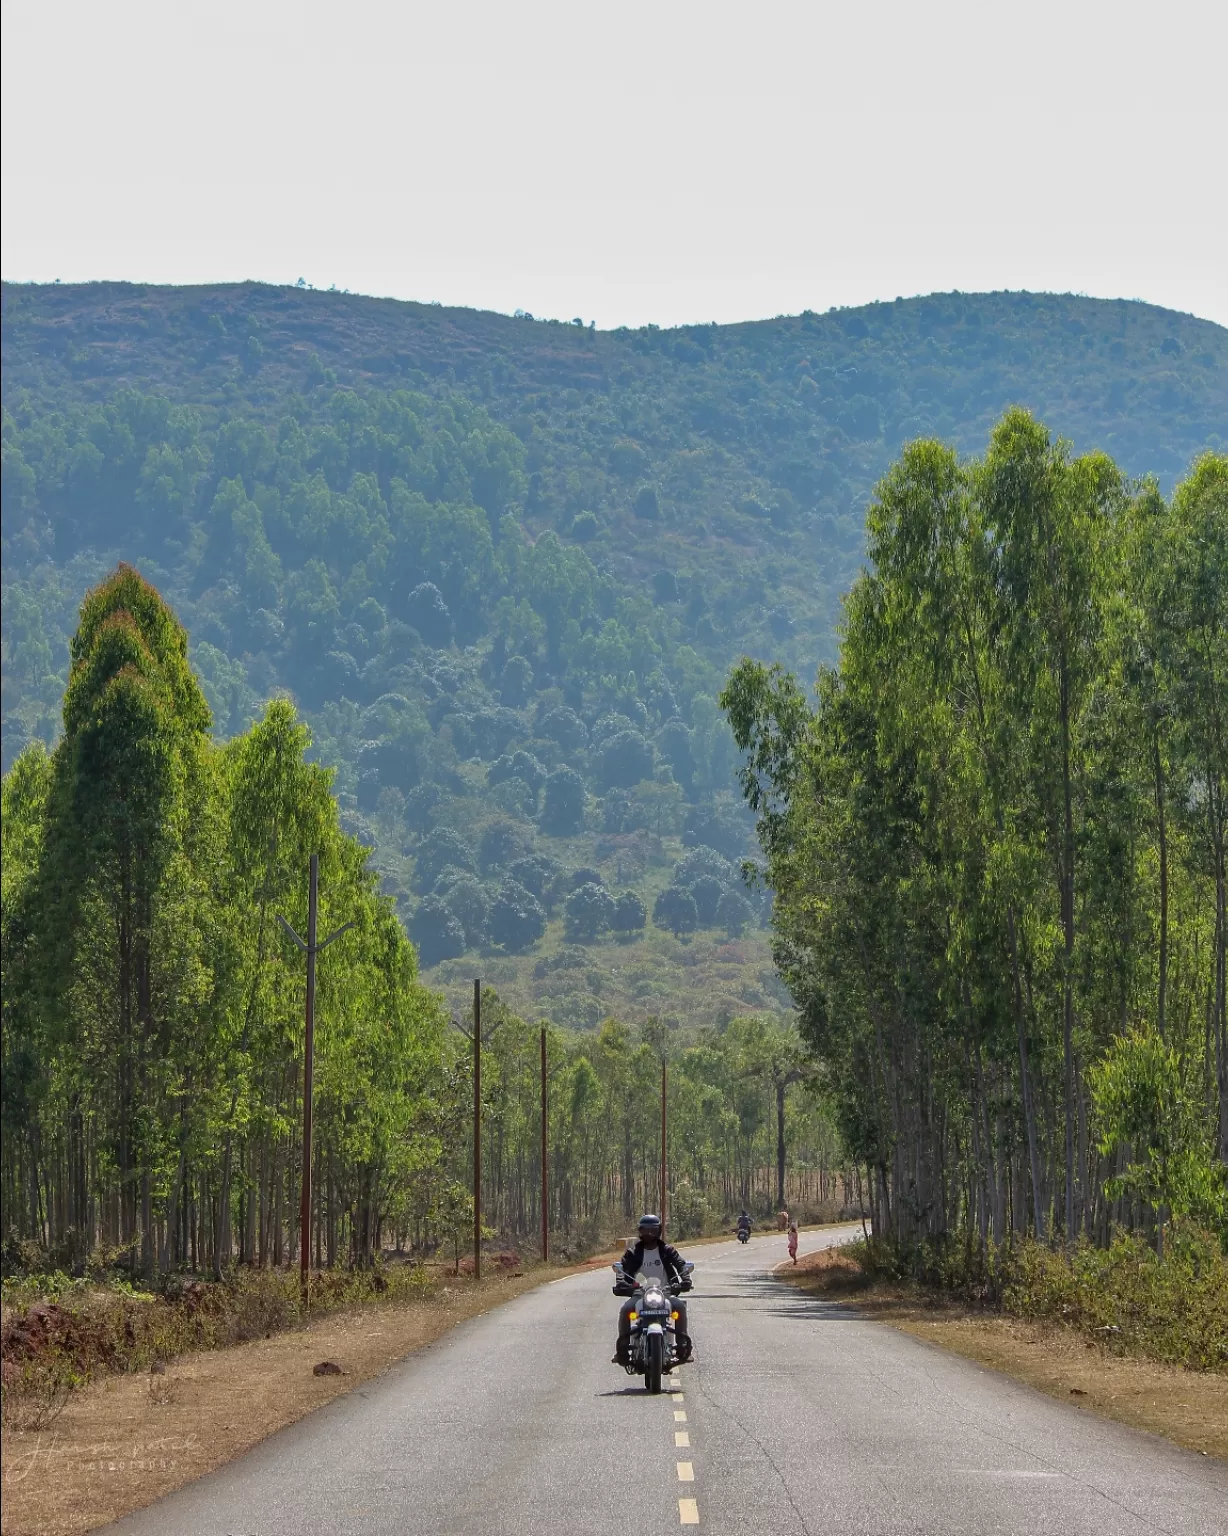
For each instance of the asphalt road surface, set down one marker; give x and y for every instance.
(795, 1417)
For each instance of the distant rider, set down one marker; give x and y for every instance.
(744, 1222)
(652, 1256)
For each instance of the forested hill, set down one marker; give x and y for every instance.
(505, 564)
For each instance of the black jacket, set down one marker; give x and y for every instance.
(633, 1260)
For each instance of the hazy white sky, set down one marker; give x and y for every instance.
(622, 162)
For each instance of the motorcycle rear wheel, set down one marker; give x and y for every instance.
(654, 1353)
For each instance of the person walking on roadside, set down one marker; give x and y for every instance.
(793, 1239)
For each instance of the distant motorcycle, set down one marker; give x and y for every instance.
(652, 1352)
(744, 1231)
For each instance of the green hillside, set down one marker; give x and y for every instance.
(505, 564)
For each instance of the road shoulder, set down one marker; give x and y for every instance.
(125, 1441)
(1189, 1408)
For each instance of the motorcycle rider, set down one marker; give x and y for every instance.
(744, 1222)
(651, 1255)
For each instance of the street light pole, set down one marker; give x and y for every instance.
(312, 950)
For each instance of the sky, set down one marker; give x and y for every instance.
(622, 163)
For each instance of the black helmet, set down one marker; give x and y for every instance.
(650, 1225)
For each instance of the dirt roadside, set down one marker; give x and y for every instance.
(125, 1441)
(1187, 1407)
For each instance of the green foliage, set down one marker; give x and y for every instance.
(513, 528)
(997, 841)
(1122, 1296)
(1145, 1111)
(152, 1007)
(1129, 1299)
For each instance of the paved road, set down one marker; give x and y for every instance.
(796, 1417)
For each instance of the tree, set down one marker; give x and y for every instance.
(734, 913)
(501, 844)
(516, 918)
(630, 914)
(563, 803)
(707, 892)
(675, 909)
(623, 759)
(436, 931)
(516, 681)
(468, 904)
(647, 504)
(1144, 1110)
(429, 614)
(438, 851)
(587, 913)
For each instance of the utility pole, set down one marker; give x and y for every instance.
(545, 1164)
(664, 1128)
(477, 1128)
(476, 1037)
(312, 950)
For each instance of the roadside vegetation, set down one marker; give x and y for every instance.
(152, 1050)
(997, 840)
(1124, 1297)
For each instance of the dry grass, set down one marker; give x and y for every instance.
(1186, 1406)
(125, 1441)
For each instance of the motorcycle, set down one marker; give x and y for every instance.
(744, 1232)
(652, 1352)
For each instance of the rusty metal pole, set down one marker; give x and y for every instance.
(477, 1128)
(304, 1265)
(545, 1192)
(663, 1135)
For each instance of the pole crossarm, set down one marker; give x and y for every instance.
(305, 947)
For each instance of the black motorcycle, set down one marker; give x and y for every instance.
(652, 1352)
(744, 1232)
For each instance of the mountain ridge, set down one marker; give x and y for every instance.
(606, 521)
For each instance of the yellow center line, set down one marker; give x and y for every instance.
(679, 1415)
(688, 1512)
(686, 1472)
(682, 1441)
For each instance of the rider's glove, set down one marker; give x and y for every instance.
(685, 1286)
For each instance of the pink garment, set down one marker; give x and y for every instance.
(793, 1244)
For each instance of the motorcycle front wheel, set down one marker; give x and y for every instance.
(654, 1356)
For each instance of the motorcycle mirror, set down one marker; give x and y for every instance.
(688, 1266)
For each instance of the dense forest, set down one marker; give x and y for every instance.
(152, 1042)
(998, 841)
(503, 566)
